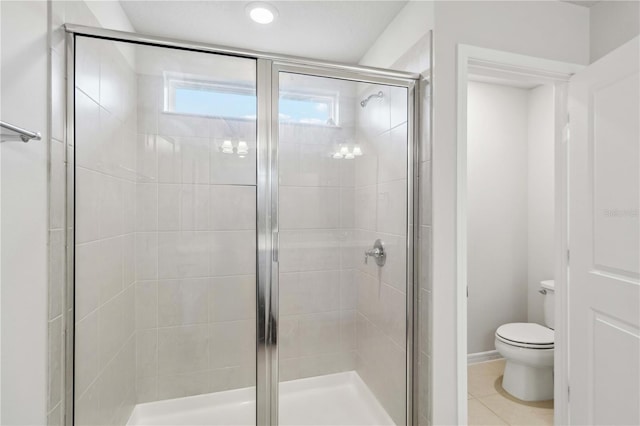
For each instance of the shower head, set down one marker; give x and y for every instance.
(364, 102)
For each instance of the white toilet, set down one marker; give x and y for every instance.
(528, 350)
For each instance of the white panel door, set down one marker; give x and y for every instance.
(604, 192)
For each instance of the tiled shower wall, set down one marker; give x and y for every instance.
(60, 308)
(418, 59)
(57, 221)
(195, 242)
(316, 286)
(381, 212)
(105, 345)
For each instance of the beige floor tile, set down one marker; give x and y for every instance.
(496, 366)
(489, 403)
(516, 412)
(482, 377)
(538, 404)
(479, 414)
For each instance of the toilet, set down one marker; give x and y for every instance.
(528, 351)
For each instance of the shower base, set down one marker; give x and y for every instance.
(335, 399)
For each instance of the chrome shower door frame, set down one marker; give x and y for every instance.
(268, 67)
(363, 75)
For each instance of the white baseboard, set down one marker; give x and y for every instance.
(483, 356)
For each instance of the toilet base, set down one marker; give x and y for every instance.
(528, 383)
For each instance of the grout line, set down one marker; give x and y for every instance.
(101, 372)
(492, 410)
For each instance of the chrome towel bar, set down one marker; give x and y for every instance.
(25, 135)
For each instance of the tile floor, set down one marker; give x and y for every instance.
(489, 404)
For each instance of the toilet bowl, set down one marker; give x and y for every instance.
(528, 350)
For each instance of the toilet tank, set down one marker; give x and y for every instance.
(548, 290)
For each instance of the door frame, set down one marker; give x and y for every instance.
(267, 67)
(413, 141)
(549, 72)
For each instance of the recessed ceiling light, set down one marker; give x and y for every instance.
(262, 13)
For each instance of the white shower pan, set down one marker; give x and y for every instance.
(334, 399)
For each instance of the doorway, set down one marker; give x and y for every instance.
(242, 240)
(510, 234)
(512, 123)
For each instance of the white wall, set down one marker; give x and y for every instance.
(510, 181)
(24, 214)
(409, 25)
(540, 193)
(612, 23)
(551, 30)
(496, 210)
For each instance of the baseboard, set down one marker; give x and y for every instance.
(483, 356)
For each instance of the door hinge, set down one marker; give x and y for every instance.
(467, 292)
(568, 255)
(568, 393)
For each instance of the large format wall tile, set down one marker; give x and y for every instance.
(309, 208)
(317, 205)
(381, 213)
(183, 254)
(309, 292)
(105, 219)
(232, 169)
(195, 247)
(310, 249)
(182, 349)
(232, 298)
(87, 75)
(183, 302)
(147, 353)
(233, 343)
(181, 385)
(232, 207)
(392, 151)
(146, 304)
(233, 253)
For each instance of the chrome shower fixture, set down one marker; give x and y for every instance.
(364, 102)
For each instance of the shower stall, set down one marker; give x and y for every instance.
(242, 237)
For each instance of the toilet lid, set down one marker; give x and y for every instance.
(525, 333)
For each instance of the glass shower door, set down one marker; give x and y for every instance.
(165, 235)
(342, 268)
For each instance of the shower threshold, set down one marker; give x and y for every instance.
(334, 399)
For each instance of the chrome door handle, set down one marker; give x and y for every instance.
(377, 252)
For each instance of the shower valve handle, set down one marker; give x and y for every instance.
(377, 252)
(373, 253)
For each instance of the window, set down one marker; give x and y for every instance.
(197, 96)
(190, 95)
(308, 108)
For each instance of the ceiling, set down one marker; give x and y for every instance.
(339, 31)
